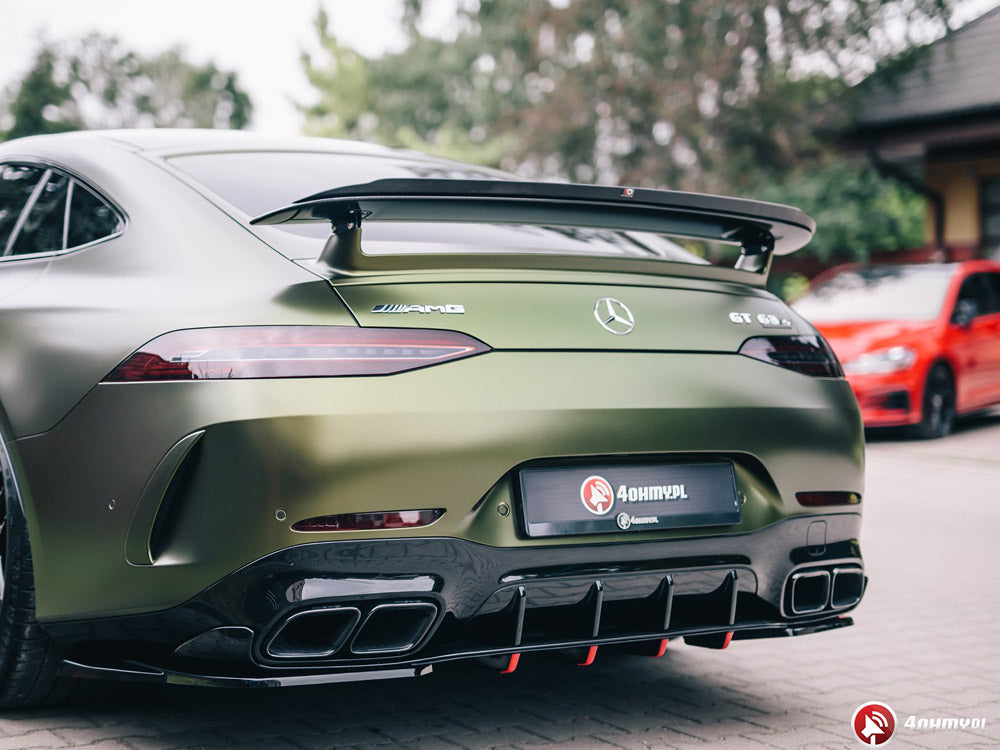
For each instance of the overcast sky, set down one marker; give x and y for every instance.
(260, 39)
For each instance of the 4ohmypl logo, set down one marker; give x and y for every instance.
(874, 723)
(597, 495)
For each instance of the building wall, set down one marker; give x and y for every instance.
(958, 180)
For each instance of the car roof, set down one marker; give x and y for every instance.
(165, 142)
(191, 140)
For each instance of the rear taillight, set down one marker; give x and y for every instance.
(810, 355)
(388, 519)
(291, 352)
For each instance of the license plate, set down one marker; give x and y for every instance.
(627, 498)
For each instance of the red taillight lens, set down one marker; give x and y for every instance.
(810, 355)
(822, 499)
(387, 519)
(291, 352)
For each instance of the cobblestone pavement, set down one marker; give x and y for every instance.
(925, 643)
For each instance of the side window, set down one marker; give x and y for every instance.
(90, 218)
(17, 182)
(975, 288)
(60, 212)
(993, 286)
(42, 231)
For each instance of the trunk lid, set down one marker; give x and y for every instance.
(557, 315)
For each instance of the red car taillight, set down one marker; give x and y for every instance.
(291, 352)
(810, 355)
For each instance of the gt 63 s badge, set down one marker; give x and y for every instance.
(767, 320)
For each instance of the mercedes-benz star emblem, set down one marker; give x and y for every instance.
(614, 316)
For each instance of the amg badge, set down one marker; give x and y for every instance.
(446, 309)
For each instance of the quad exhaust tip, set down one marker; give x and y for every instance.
(394, 628)
(320, 633)
(314, 633)
(810, 591)
(818, 590)
(847, 587)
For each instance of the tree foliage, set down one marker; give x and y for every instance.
(738, 97)
(97, 83)
(695, 95)
(416, 99)
(856, 211)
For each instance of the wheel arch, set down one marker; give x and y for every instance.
(12, 474)
(945, 361)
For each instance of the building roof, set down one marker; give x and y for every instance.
(956, 75)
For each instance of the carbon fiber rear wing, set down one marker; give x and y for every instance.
(760, 229)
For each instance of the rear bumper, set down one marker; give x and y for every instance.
(114, 479)
(391, 608)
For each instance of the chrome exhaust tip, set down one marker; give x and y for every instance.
(313, 633)
(847, 587)
(394, 628)
(810, 591)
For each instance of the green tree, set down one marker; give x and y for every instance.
(740, 97)
(694, 95)
(856, 211)
(97, 83)
(37, 96)
(423, 98)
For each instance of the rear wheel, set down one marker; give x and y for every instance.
(28, 660)
(938, 408)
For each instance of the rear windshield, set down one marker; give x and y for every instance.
(878, 293)
(260, 181)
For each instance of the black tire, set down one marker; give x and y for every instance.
(937, 414)
(29, 661)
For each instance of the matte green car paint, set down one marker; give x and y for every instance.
(446, 436)
(100, 303)
(560, 316)
(439, 437)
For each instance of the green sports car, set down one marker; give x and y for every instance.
(280, 412)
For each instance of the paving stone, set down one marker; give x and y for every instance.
(40, 738)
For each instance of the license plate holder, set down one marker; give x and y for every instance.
(617, 498)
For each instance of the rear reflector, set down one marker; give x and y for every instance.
(291, 352)
(389, 519)
(821, 499)
(810, 355)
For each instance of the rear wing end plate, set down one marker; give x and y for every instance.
(760, 229)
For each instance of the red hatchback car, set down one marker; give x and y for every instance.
(919, 344)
